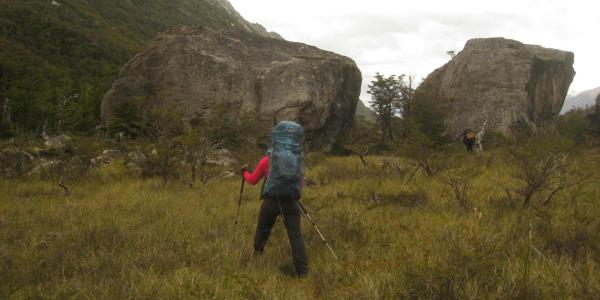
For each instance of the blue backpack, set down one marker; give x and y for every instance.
(285, 162)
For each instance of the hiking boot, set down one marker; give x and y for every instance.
(258, 253)
(302, 274)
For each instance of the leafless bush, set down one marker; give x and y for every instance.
(539, 173)
(459, 180)
(362, 156)
(84, 151)
(431, 161)
(394, 165)
(544, 167)
(196, 156)
(164, 129)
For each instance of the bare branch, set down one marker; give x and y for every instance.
(363, 160)
(61, 183)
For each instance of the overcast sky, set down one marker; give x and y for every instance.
(412, 37)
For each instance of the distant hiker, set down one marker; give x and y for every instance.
(469, 138)
(282, 170)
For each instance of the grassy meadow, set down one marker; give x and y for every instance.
(397, 236)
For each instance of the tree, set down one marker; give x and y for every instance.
(386, 97)
(423, 128)
(451, 53)
(127, 118)
(425, 117)
(196, 149)
(407, 93)
(164, 128)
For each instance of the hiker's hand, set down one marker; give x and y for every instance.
(244, 168)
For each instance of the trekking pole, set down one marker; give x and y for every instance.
(237, 216)
(310, 220)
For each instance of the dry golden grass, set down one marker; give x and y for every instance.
(117, 237)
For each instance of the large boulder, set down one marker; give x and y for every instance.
(502, 81)
(195, 69)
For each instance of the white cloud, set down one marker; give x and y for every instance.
(412, 37)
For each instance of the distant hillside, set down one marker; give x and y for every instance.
(581, 100)
(58, 58)
(364, 111)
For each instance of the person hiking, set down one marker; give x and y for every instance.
(469, 139)
(281, 168)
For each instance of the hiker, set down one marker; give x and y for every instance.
(281, 168)
(469, 138)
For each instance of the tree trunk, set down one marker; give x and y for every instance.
(386, 130)
(383, 134)
(390, 132)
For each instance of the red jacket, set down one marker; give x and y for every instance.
(262, 170)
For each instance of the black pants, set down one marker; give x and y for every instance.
(469, 143)
(269, 211)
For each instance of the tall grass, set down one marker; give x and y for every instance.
(118, 237)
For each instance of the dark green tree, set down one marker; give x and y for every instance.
(426, 115)
(385, 95)
(391, 98)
